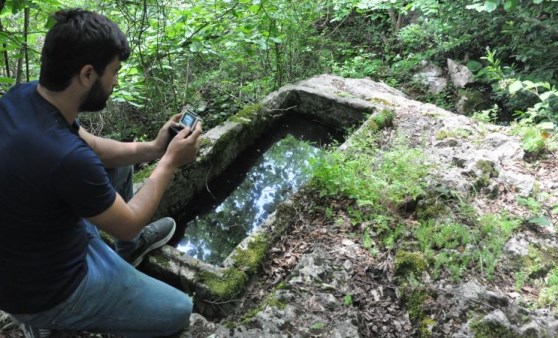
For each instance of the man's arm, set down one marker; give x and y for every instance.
(125, 220)
(116, 154)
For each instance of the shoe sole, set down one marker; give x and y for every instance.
(154, 246)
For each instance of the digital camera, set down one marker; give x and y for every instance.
(188, 119)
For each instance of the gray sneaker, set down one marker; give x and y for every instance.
(153, 236)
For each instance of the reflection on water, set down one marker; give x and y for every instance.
(276, 175)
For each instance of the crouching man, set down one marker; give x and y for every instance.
(59, 184)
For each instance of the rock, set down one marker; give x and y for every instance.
(517, 246)
(345, 329)
(523, 183)
(310, 268)
(530, 329)
(275, 320)
(460, 75)
(432, 76)
(327, 300)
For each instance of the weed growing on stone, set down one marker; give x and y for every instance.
(382, 182)
(373, 177)
(549, 294)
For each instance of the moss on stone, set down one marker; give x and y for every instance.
(539, 261)
(432, 208)
(407, 263)
(250, 259)
(226, 286)
(414, 300)
(380, 101)
(491, 329)
(455, 133)
(271, 301)
(381, 120)
(487, 171)
(426, 326)
(161, 260)
(246, 114)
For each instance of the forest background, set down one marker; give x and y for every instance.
(221, 55)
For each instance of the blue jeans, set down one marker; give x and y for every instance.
(116, 298)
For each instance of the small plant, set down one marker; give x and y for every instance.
(372, 177)
(520, 279)
(487, 115)
(549, 294)
(317, 326)
(348, 299)
(457, 247)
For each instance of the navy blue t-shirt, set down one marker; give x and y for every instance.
(50, 179)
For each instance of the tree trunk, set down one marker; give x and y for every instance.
(5, 52)
(25, 43)
(24, 51)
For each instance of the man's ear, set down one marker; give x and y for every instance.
(87, 76)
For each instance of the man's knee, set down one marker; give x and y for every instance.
(181, 314)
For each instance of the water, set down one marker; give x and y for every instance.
(275, 175)
(236, 202)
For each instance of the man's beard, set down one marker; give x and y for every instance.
(96, 98)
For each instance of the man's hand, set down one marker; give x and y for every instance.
(163, 135)
(183, 149)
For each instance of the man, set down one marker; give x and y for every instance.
(55, 271)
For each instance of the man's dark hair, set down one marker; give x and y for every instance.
(78, 38)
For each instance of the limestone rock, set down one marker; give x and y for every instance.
(460, 75)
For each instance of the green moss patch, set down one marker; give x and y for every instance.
(250, 259)
(381, 120)
(492, 329)
(407, 263)
(226, 286)
(455, 133)
(381, 101)
(487, 171)
(247, 114)
(414, 300)
(161, 260)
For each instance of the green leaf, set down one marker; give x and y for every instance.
(510, 4)
(348, 299)
(542, 221)
(491, 5)
(7, 80)
(474, 65)
(195, 46)
(546, 95)
(477, 7)
(515, 87)
(317, 326)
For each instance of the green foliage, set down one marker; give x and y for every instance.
(372, 176)
(361, 65)
(348, 299)
(549, 294)
(457, 247)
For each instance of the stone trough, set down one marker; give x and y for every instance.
(325, 99)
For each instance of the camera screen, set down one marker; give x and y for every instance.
(188, 120)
